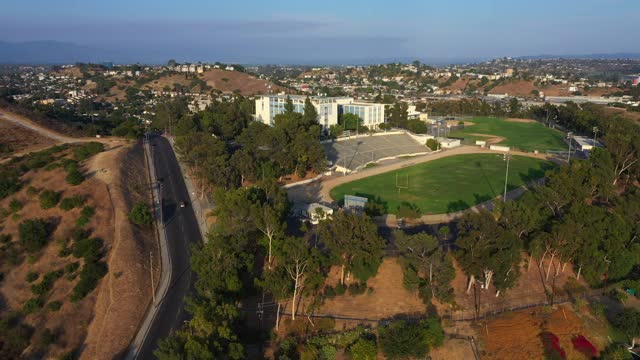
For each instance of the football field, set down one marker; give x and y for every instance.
(527, 135)
(446, 185)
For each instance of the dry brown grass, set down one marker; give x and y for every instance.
(125, 293)
(235, 80)
(517, 335)
(20, 139)
(73, 318)
(515, 88)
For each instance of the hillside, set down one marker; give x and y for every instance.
(514, 88)
(67, 277)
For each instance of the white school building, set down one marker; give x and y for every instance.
(328, 108)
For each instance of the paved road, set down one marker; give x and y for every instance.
(182, 231)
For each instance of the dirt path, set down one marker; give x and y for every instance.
(491, 139)
(320, 190)
(23, 121)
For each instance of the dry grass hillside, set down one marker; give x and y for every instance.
(51, 292)
(514, 88)
(16, 139)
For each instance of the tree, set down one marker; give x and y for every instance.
(310, 115)
(401, 340)
(140, 214)
(74, 177)
(363, 349)
(628, 321)
(487, 249)
(34, 234)
(288, 106)
(353, 243)
(433, 144)
(296, 257)
(351, 121)
(421, 254)
(49, 199)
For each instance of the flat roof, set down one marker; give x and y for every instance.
(585, 141)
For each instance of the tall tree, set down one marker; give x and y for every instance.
(310, 115)
(354, 244)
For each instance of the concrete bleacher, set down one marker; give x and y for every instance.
(355, 153)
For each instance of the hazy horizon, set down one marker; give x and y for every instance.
(329, 32)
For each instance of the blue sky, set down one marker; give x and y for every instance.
(329, 30)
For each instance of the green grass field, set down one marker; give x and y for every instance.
(523, 136)
(446, 185)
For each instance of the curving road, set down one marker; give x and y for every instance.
(181, 228)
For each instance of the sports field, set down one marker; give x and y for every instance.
(446, 185)
(527, 136)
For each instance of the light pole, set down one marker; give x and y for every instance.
(595, 134)
(506, 157)
(569, 136)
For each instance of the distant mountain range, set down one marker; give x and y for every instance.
(586, 56)
(56, 52)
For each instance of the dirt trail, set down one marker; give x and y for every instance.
(491, 139)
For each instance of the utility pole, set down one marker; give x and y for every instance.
(569, 136)
(595, 134)
(153, 288)
(506, 157)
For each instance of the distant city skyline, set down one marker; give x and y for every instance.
(330, 31)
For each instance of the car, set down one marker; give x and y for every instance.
(183, 204)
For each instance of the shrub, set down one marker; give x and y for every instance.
(90, 249)
(75, 177)
(89, 276)
(363, 349)
(47, 337)
(71, 202)
(71, 268)
(140, 214)
(49, 199)
(34, 234)
(32, 276)
(87, 150)
(54, 305)
(552, 348)
(357, 288)
(32, 305)
(85, 215)
(5, 238)
(15, 205)
(69, 165)
(402, 339)
(51, 166)
(408, 211)
(31, 191)
(584, 346)
(9, 183)
(432, 144)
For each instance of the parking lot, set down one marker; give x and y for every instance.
(355, 153)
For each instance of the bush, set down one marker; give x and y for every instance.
(408, 211)
(31, 191)
(34, 234)
(32, 305)
(363, 349)
(71, 268)
(140, 214)
(85, 215)
(5, 238)
(90, 249)
(69, 165)
(357, 288)
(87, 150)
(9, 183)
(71, 202)
(432, 144)
(89, 276)
(402, 339)
(15, 205)
(54, 305)
(49, 199)
(32, 276)
(47, 337)
(75, 177)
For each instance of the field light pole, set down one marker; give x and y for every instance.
(595, 134)
(569, 135)
(506, 157)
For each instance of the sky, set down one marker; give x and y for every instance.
(326, 31)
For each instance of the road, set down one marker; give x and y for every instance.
(182, 231)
